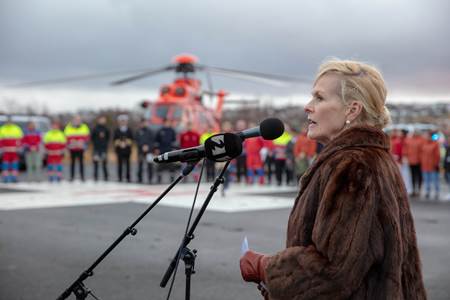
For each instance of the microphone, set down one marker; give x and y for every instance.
(182, 155)
(219, 147)
(224, 146)
(269, 129)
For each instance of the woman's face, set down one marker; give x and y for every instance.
(326, 110)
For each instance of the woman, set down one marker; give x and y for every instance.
(350, 233)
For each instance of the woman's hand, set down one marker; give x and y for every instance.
(253, 266)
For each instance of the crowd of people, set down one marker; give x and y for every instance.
(281, 161)
(420, 157)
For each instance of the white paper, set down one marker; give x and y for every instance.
(244, 246)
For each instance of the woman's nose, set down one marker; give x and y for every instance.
(308, 107)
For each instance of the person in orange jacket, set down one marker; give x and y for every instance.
(304, 152)
(429, 163)
(254, 162)
(55, 145)
(77, 134)
(412, 153)
(10, 145)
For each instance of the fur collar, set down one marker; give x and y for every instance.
(353, 137)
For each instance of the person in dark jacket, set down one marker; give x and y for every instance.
(165, 141)
(100, 136)
(145, 144)
(123, 141)
(350, 233)
(446, 163)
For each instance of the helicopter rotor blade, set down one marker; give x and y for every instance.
(143, 75)
(73, 78)
(273, 79)
(210, 85)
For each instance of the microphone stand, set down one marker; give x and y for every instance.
(77, 287)
(183, 252)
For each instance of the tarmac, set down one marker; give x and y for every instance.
(50, 233)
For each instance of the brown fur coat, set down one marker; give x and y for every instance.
(350, 233)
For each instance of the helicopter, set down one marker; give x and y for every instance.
(182, 102)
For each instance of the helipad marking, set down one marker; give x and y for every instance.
(47, 195)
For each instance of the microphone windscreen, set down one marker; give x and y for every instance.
(223, 147)
(271, 128)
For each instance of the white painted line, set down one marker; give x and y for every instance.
(46, 195)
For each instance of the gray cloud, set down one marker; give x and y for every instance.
(408, 40)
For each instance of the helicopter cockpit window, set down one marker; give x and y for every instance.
(180, 91)
(165, 90)
(161, 111)
(177, 113)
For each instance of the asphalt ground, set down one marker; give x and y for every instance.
(43, 250)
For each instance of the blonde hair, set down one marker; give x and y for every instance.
(360, 82)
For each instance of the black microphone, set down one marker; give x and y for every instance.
(219, 147)
(182, 155)
(223, 146)
(269, 129)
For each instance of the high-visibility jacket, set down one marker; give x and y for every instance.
(430, 156)
(55, 144)
(77, 137)
(206, 136)
(10, 138)
(412, 149)
(279, 145)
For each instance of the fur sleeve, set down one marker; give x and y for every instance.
(347, 240)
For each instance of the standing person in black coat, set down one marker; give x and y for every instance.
(165, 140)
(100, 136)
(123, 140)
(447, 161)
(241, 160)
(145, 143)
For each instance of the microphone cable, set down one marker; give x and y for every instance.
(187, 228)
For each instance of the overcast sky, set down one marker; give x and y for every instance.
(407, 39)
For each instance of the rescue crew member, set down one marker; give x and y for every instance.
(166, 139)
(55, 144)
(210, 165)
(253, 158)
(190, 138)
(100, 138)
(279, 150)
(304, 152)
(10, 144)
(123, 140)
(77, 134)
(33, 156)
(145, 139)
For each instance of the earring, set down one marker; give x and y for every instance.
(347, 122)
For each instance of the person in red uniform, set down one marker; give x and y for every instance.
(10, 143)
(253, 161)
(412, 150)
(190, 138)
(429, 162)
(397, 145)
(55, 144)
(304, 152)
(32, 144)
(77, 134)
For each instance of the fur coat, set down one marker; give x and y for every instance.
(350, 233)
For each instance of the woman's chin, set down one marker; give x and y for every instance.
(311, 134)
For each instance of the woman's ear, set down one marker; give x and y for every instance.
(354, 109)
